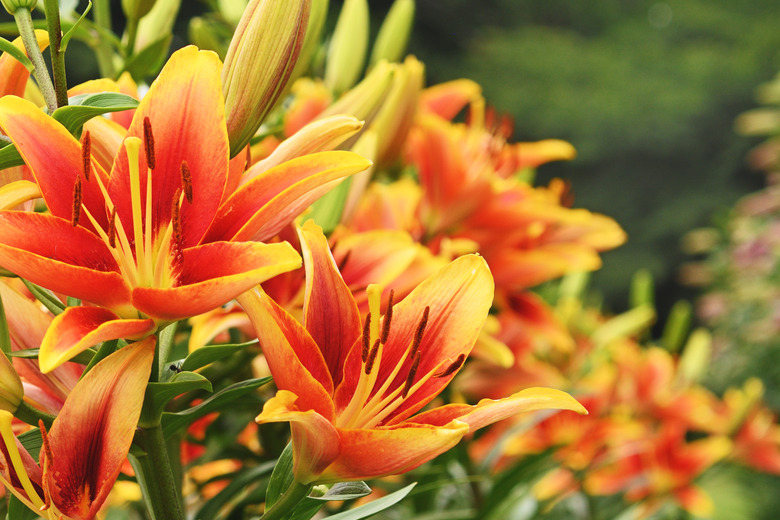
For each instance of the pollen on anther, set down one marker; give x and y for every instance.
(366, 338)
(77, 198)
(372, 357)
(186, 181)
(412, 375)
(453, 367)
(418, 335)
(149, 144)
(112, 229)
(388, 318)
(176, 217)
(86, 155)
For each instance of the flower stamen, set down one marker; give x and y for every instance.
(186, 181)
(86, 155)
(454, 367)
(77, 199)
(388, 318)
(411, 376)
(151, 160)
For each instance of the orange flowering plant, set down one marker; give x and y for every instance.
(179, 234)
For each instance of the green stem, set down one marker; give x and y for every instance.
(132, 32)
(105, 57)
(27, 32)
(160, 486)
(30, 415)
(57, 56)
(287, 502)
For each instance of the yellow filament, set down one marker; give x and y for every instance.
(133, 148)
(16, 459)
(148, 235)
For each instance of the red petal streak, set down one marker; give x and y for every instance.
(49, 252)
(53, 155)
(187, 115)
(294, 359)
(79, 328)
(262, 207)
(213, 274)
(368, 454)
(91, 436)
(329, 310)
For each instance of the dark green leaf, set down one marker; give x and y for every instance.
(5, 334)
(281, 478)
(18, 511)
(172, 422)
(32, 442)
(158, 395)
(84, 107)
(210, 353)
(46, 297)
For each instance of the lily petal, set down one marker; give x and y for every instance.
(54, 157)
(259, 209)
(315, 440)
(330, 313)
(488, 411)
(78, 328)
(212, 275)
(92, 434)
(13, 75)
(288, 346)
(187, 115)
(366, 454)
(70, 260)
(17, 192)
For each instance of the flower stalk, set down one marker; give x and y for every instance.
(52, 10)
(287, 502)
(27, 32)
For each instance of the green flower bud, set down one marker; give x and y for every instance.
(12, 5)
(11, 391)
(137, 9)
(157, 24)
(393, 36)
(347, 50)
(261, 57)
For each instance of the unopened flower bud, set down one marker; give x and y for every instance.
(390, 43)
(231, 10)
(261, 57)
(347, 50)
(12, 5)
(137, 9)
(157, 24)
(11, 391)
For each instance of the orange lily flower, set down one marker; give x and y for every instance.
(169, 234)
(351, 390)
(100, 413)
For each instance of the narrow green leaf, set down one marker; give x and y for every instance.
(18, 511)
(281, 478)
(9, 157)
(32, 442)
(5, 334)
(82, 108)
(149, 61)
(158, 395)
(68, 35)
(17, 53)
(211, 353)
(374, 506)
(105, 350)
(172, 422)
(46, 297)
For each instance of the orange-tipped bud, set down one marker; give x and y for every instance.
(261, 57)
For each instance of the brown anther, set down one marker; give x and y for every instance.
(366, 338)
(186, 181)
(176, 217)
(77, 198)
(418, 335)
(112, 229)
(453, 367)
(86, 155)
(388, 318)
(151, 162)
(344, 260)
(411, 376)
(372, 357)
